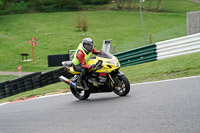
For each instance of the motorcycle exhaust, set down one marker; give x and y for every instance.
(67, 81)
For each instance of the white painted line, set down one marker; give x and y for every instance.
(60, 94)
(168, 80)
(3, 103)
(40, 97)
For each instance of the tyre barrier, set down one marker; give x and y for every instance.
(31, 81)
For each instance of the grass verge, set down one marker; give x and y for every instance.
(7, 77)
(182, 66)
(57, 33)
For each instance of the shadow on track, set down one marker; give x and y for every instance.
(102, 99)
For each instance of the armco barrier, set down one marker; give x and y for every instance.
(161, 50)
(137, 56)
(178, 46)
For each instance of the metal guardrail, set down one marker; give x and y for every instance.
(178, 46)
(161, 50)
(137, 56)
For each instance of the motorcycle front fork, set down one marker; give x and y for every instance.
(115, 83)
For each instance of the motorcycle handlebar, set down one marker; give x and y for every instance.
(98, 64)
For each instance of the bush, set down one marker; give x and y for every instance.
(58, 3)
(49, 2)
(74, 4)
(61, 3)
(82, 24)
(39, 4)
(35, 4)
(1, 4)
(95, 2)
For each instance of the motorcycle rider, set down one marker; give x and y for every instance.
(83, 53)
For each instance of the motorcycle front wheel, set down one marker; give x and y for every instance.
(80, 94)
(123, 86)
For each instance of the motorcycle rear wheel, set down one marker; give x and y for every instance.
(124, 87)
(80, 94)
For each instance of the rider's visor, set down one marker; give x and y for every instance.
(89, 47)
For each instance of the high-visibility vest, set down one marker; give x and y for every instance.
(87, 56)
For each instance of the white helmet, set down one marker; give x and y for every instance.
(88, 44)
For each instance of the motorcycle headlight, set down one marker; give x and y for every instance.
(115, 62)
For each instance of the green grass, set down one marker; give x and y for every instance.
(124, 28)
(174, 32)
(7, 77)
(182, 66)
(57, 33)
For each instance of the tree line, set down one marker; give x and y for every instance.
(76, 4)
(132, 4)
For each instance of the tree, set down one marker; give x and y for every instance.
(15, 2)
(149, 4)
(159, 5)
(129, 4)
(42, 4)
(84, 25)
(3, 4)
(72, 4)
(135, 2)
(60, 3)
(79, 23)
(120, 3)
(35, 4)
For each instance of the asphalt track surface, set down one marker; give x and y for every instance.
(159, 107)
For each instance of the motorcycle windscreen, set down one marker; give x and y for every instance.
(104, 54)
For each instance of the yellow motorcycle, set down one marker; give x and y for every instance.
(105, 77)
